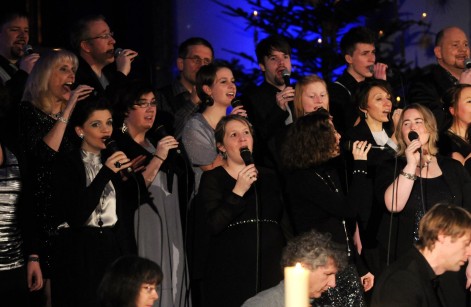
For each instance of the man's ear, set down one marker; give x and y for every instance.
(348, 59)
(85, 46)
(180, 64)
(262, 67)
(438, 52)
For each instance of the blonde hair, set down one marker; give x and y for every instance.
(37, 86)
(430, 125)
(299, 90)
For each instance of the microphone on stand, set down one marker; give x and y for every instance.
(246, 155)
(348, 146)
(112, 147)
(414, 136)
(286, 77)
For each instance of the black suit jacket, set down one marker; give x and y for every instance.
(408, 282)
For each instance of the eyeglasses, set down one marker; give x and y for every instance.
(146, 104)
(199, 61)
(149, 289)
(103, 36)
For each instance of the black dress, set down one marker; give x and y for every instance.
(449, 143)
(316, 201)
(34, 125)
(230, 269)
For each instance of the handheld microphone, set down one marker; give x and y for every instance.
(414, 136)
(467, 63)
(161, 132)
(28, 49)
(371, 68)
(286, 77)
(117, 52)
(348, 146)
(112, 147)
(246, 155)
(236, 103)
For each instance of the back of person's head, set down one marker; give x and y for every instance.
(122, 281)
(443, 219)
(7, 16)
(80, 29)
(272, 43)
(206, 75)
(355, 36)
(183, 49)
(37, 85)
(364, 88)
(309, 141)
(313, 249)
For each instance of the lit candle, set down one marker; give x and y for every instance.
(296, 286)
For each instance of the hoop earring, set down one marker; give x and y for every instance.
(124, 128)
(209, 101)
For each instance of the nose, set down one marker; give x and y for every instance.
(331, 282)
(112, 41)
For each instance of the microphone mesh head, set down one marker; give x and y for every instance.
(117, 51)
(412, 136)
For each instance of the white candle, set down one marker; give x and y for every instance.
(296, 286)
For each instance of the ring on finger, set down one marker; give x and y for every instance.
(358, 147)
(117, 164)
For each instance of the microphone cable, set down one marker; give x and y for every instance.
(393, 207)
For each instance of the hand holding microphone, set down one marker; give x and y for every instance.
(123, 58)
(248, 175)
(287, 94)
(29, 59)
(465, 77)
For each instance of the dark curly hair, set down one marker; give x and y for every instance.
(310, 141)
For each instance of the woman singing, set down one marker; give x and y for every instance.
(316, 200)
(243, 209)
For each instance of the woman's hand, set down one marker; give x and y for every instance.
(395, 118)
(118, 161)
(239, 111)
(412, 152)
(360, 150)
(34, 275)
(368, 280)
(80, 93)
(164, 145)
(247, 176)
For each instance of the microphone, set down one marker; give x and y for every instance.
(236, 103)
(371, 68)
(28, 49)
(414, 136)
(286, 77)
(117, 52)
(112, 147)
(467, 63)
(161, 132)
(348, 146)
(246, 155)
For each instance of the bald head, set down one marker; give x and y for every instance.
(452, 49)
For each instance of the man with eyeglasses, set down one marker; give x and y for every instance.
(93, 40)
(15, 65)
(178, 100)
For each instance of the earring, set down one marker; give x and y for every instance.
(366, 115)
(81, 135)
(124, 128)
(224, 155)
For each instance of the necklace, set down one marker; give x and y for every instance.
(330, 183)
(426, 163)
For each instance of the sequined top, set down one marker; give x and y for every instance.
(34, 125)
(11, 255)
